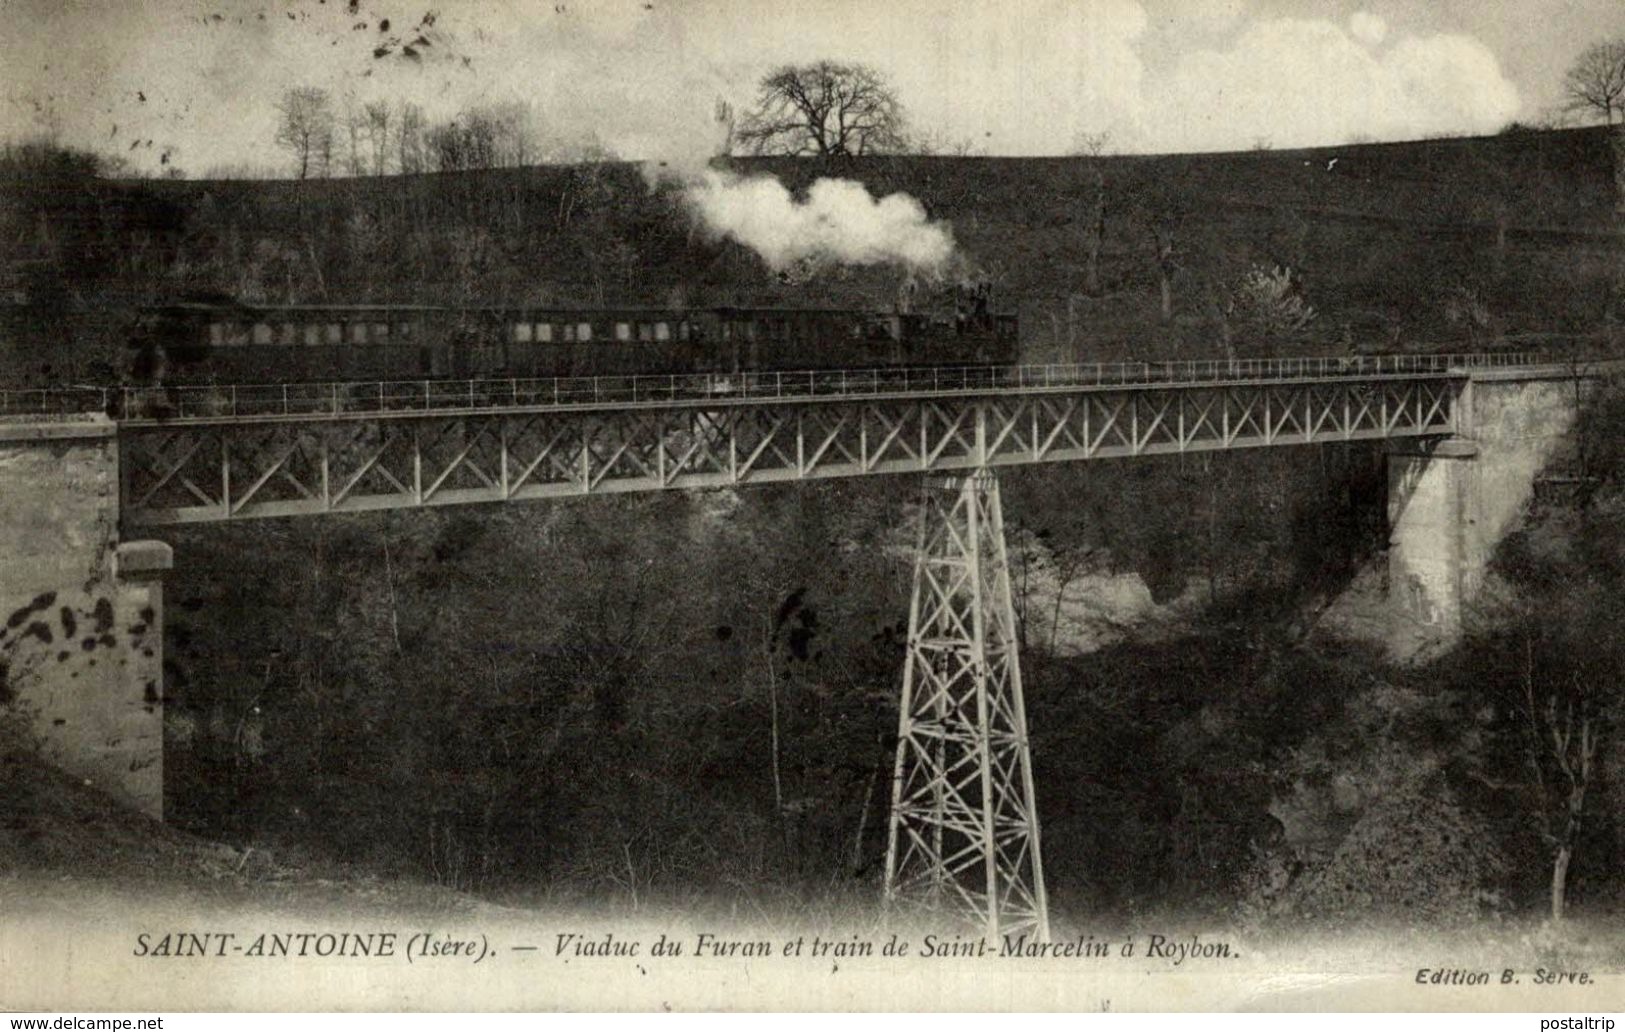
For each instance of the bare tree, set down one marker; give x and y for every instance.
(827, 109)
(1569, 701)
(1596, 80)
(1092, 145)
(355, 127)
(306, 129)
(1069, 561)
(457, 145)
(376, 116)
(1096, 236)
(412, 149)
(1163, 208)
(516, 143)
(1166, 254)
(326, 145)
(1573, 729)
(943, 143)
(485, 136)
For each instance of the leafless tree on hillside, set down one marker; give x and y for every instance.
(1095, 236)
(306, 128)
(485, 136)
(376, 117)
(1166, 254)
(516, 133)
(412, 149)
(355, 163)
(1162, 208)
(1092, 145)
(943, 143)
(1596, 81)
(827, 109)
(461, 144)
(1564, 714)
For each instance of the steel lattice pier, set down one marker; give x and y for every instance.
(207, 469)
(964, 819)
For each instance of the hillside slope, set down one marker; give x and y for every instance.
(1455, 242)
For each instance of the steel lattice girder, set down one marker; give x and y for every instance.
(964, 823)
(207, 470)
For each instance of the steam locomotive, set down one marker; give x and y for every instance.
(204, 342)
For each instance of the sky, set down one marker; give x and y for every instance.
(193, 83)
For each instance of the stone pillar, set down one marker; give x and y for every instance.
(1435, 562)
(81, 615)
(141, 569)
(1452, 501)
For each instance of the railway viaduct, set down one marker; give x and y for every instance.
(84, 499)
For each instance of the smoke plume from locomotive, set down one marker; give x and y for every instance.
(839, 220)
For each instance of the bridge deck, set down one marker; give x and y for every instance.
(215, 469)
(223, 453)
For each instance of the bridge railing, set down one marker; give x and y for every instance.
(403, 396)
(56, 401)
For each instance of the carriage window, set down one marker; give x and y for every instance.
(262, 333)
(682, 330)
(408, 329)
(522, 333)
(217, 334)
(335, 333)
(288, 334)
(313, 334)
(584, 331)
(569, 333)
(645, 332)
(358, 333)
(544, 333)
(662, 331)
(380, 332)
(623, 331)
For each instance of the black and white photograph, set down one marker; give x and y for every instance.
(1103, 506)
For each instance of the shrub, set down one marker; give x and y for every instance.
(1269, 301)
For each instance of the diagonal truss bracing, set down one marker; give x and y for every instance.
(208, 469)
(964, 834)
